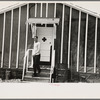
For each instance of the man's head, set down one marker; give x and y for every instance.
(36, 38)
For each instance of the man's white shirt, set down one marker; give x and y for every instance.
(36, 48)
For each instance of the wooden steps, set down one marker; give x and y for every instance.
(44, 75)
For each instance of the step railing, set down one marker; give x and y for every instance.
(52, 65)
(26, 60)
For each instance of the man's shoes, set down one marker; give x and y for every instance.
(34, 75)
(39, 71)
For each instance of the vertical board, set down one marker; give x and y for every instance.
(82, 40)
(59, 8)
(65, 38)
(38, 9)
(14, 37)
(7, 39)
(69, 37)
(98, 45)
(78, 43)
(90, 41)
(95, 49)
(51, 10)
(74, 38)
(10, 52)
(1, 34)
(31, 10)
(22, 35)
(44, 10)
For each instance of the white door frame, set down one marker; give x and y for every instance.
(53, 35)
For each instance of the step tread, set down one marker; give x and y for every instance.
(40, 68)
(37, 77)
(31, 72)
(40, 75)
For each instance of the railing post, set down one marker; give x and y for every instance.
(27, 61)
(23, 68)
(52, 65)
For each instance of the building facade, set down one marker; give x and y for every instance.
(75, 39)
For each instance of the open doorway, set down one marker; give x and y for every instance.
(45, 37)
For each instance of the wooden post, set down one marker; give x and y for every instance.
(35, 10)
(55, 11)
(69, 37)
(62, 33)
(95, 51)
(18, 37)
(3, 41)
(78, 49)
(11, 38)
(86, 43)
(46, 10)
(41, 10)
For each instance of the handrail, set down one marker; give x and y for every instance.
(26, 58)
(52, 64)
(24, 67)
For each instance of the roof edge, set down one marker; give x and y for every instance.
(12, 7)
(67, 4)
(83, 10)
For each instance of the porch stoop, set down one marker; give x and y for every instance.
(43, 76)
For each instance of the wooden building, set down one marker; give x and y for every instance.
(69, 38)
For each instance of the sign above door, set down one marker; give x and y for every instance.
(43, 21)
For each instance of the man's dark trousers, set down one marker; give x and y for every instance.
(36, 63)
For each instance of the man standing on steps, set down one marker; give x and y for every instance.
(36, 56)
